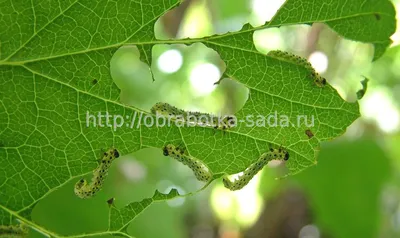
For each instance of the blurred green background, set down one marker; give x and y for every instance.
(354, 191)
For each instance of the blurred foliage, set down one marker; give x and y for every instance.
(344, 188)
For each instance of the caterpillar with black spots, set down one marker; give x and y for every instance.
(198, 118)
(179, 153)
(295, 59)
(83, 189)
(15, 231)
(253, 169)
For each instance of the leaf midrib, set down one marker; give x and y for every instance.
(77, 52)
(176, 41)
(147, 113)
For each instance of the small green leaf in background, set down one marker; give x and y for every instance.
(344, 189)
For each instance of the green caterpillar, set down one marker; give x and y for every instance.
(19, 230)
(295, 59)
(202, 119)
(201, 172)
(85, 190)
(253, 169)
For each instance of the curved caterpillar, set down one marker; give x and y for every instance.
(19, 230)
(202, 119)
(253, 169)
(289, 57)
(85, 190)
(201, 171)
(318, 79)
(295, 59)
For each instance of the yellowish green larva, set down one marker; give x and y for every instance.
(15, 231)
(289, 57)
(295, 59)
(83, 189)
(318, 79)
(253, 169)
(200, 170)
(198, 118)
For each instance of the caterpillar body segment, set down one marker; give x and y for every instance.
(83, 189)
(197, 118)
(298, 60)
(253, 169)
(201, 172)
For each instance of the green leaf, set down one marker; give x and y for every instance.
(120, 218)
(51, 54)
(339, 210)
(365, 21)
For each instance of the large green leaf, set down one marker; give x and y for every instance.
(52, 52)
(350, 176)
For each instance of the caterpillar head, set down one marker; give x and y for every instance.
(280, 153)
(286, 155)
(157, 107)
(172, 150)
(116, 153)
(320, 81)
(169, 150)
(165, 151)
(79, 186)
(81, 183)
(323, 81)
(230, 121)
(227, 183)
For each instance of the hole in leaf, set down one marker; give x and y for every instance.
(185, 77)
